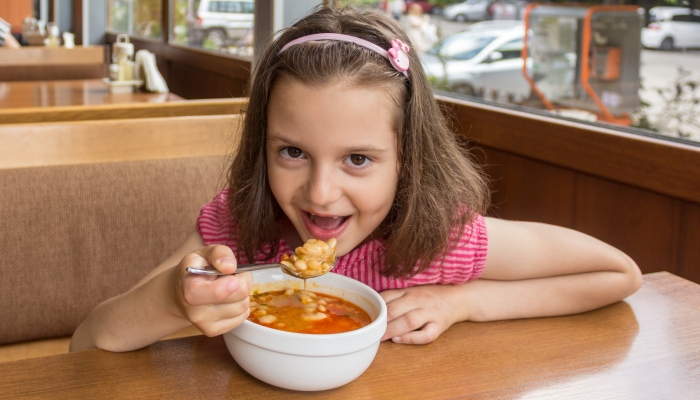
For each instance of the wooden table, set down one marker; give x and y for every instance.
(647, 347)
(71, 93)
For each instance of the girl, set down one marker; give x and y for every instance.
(343, 139)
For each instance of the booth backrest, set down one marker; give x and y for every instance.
(77, 233)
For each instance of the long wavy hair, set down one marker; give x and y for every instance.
(439, 188)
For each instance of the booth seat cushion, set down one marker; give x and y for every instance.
(74, 236)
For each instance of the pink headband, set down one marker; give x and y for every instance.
(397, 54)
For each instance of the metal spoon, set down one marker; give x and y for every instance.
(208, 270)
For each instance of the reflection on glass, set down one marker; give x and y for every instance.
(136, 17)
(596, 63)
(219, 25)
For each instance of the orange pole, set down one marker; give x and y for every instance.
(523, 54)
(585, 50)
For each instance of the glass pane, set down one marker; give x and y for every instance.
(626, 67)
(136, 17)
(224, 26)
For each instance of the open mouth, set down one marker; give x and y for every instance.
(326, 222)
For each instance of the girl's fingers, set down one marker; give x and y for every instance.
(219, 257)
(199, 290)
(414, 319)
(400, 305)
(426, 334)
(391, 295)
(222, 326)
(209, 315)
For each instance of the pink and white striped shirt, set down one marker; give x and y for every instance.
(462, 263)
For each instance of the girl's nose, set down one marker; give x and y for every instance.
(322, 187)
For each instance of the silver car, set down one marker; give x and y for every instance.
(482, 62)
(470, 10)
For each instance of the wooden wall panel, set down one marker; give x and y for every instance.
(52, 72)
(524, 189)
(689, 242)
(658, 165)
(196, 83)
(643, 224)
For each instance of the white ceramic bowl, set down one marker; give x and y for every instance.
(304, 361)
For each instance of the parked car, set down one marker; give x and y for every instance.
(470, 10)
(479, 61)
(672, 27)
(220, 21)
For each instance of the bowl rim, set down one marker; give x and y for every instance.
(311, 344)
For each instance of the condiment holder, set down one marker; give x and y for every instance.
(122, 71)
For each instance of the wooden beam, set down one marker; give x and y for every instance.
(121, 111)
(69, 143)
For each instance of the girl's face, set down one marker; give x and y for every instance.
(332, 159)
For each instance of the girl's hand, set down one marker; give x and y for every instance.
(419, 314)
(215, 305)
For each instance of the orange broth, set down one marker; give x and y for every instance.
(303, 311)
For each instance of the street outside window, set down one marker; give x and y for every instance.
(141, 18)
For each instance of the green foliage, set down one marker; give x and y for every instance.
(358, 3)
(208, 44)
(438, 84)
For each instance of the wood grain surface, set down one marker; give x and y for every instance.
(27, 56)
(81, 92)
(647, 347)
(121, 111)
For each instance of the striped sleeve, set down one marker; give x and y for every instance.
(214, 223)
(464, 262)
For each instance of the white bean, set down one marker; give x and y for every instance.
(268, 319)
(300, 265)
(313, 317)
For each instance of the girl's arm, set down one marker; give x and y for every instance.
(169, 299)
(532, 270)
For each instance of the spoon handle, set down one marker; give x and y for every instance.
(239, 269)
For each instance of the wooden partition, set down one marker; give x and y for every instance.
(637, 193)
(122, 111)
(43, 63)
(195, 73)
(70, 143)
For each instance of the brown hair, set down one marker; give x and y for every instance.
(439, 188)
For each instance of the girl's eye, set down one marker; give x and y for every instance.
(358, 160)
(292, 152)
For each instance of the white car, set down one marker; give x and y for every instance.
(479, 62)
(474, 10)
(672, 28)
(219, 21)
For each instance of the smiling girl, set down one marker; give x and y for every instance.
(344, 139)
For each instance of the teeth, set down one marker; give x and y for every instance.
(312, 216)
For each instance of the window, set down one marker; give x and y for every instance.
(224, 26)
(608, 68)
(136, 17)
